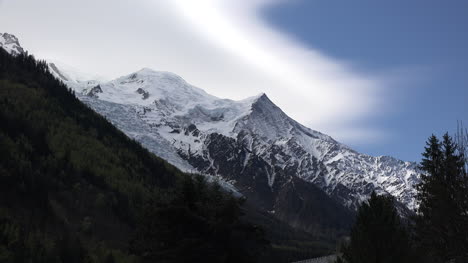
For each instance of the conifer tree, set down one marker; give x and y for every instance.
(378, 234)
(442, 221)
(461, 139)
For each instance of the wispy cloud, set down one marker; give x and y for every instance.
(222, 46)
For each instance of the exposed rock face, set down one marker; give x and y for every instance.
(94, 91)
(144, 93)
(11, 44)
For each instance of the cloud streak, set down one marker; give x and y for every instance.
(222, 46)
(322, 92)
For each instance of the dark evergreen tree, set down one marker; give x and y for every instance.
(461, 139)
(378, 235)
(442, 221)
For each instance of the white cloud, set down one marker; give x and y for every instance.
(222, 46)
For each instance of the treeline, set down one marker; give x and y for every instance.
(437, 233)
(73, 188)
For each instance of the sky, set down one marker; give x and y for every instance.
(379, 76)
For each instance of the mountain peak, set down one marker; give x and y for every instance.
(262, 98)
(262, 95)
(262, 102)
(10, 37)
(11, 44)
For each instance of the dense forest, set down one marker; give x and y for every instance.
(73, 188)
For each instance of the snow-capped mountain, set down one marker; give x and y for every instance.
(199, 132)
(253, 147)
(11, 44)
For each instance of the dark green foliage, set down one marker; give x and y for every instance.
(442, 221)
(461, 139)
(197, 223)
(378, 235)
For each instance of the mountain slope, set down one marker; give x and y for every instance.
(190, 119)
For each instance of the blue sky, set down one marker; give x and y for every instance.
(380, 76)
(425, 41)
